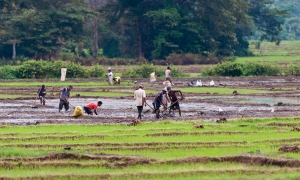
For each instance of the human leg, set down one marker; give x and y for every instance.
(88, 110)
(140, 109)
(156, 109)
(66, 106)
(61, 104)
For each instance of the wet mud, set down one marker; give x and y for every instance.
(279, 99)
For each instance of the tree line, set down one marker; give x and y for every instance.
(149, 29)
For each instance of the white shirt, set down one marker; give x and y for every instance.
(110, 75)
(138, 96)
(168, 73)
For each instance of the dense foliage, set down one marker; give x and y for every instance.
(49, 69)
(246, 69)
(71, 29)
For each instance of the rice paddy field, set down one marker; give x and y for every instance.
(253, 137)
(241, 128)
(241, 149)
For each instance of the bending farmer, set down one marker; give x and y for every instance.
(174, 100)
(92, 106)
(64, 95)
(158, 101)
(42, 94)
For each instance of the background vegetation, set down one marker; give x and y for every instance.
(89, 29)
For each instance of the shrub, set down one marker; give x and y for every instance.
(8, 72)
(224, 69)
(33, 69)
(243, 69)
(143, 71)
(294, 70)
(96, 71)
(260, 69)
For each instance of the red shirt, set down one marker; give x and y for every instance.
(92, 106)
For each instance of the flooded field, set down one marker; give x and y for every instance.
(279, 97)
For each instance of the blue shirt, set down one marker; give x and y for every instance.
(64, 94)
(158, 98)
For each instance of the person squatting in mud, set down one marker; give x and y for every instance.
(174, 100)
(158, 100)
(42, 94)
(64, 95)
(117, 80)
(140, 100)
(92, 106)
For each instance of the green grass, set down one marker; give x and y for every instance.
(164, 140)
(286, 53)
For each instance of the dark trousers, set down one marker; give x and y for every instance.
(140, 109)
(63, 103)
(87, 110)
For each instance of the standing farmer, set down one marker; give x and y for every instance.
(140, 100)
(110, 76)
(42, 94)
(158, 100)
(168, 75)
(64, 95)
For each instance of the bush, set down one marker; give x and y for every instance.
(143, 71)
(294, 70)
(243, 69)
(261, 69)
(224, 69)
(33, 69)
(96, 71)
(8, 72)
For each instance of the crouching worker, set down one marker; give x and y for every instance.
(117, 80)
(42, 94)
(92, 106)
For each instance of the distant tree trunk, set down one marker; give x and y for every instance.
(95, 4)
(14, 50)
(141, 53)
(95, 37)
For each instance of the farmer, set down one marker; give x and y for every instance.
(174, 100)
(64, 95)
(117, 80)
(42, 94)
(92, 106)
(168, 75)
(158, 100)
(110, 76)
(140, 99)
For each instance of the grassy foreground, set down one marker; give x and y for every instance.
(242, 149)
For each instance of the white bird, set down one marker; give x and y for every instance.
(221, 110)
(272, 110)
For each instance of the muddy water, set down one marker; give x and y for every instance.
(209, 107)
(113, 110)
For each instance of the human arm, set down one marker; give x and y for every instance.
(95, 111)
